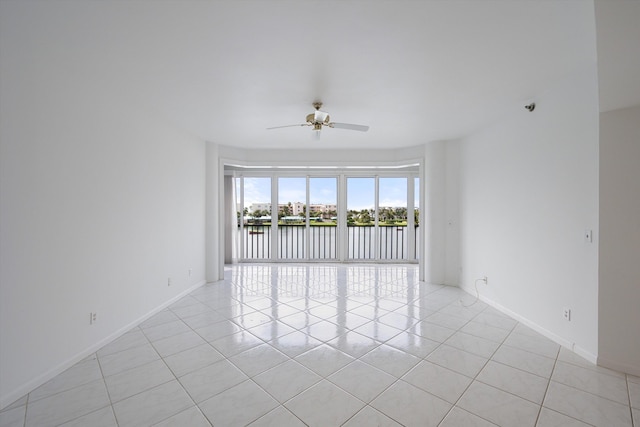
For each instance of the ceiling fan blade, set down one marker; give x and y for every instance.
(349, 126)
(287, 126)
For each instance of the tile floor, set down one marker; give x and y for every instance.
(330, 345)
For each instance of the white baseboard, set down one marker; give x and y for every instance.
(593, 358)
(28, 387)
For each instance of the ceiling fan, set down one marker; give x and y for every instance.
(318, 119)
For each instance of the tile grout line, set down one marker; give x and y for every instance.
(281, 404)
(398, 379)
(626, 378)
(26, 407)
(587, 392)
(544, 397)
(175, 378)
(566, 385)
(228, 359)
(104, 381)
(455, 404)
(317, 298)
(326, 378)
(29, 397)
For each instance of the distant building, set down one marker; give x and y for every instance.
(298, 209)
(324, 211)
(260, 207)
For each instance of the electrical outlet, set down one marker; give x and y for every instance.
(566, 313)
(588, 236)
(93, 317)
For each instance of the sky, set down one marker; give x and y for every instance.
(360, 191)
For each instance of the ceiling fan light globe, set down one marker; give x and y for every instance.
(321, 117)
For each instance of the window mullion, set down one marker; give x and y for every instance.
(376, 231)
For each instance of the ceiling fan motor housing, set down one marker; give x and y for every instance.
(318, 118)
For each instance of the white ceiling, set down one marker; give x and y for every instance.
(413, 70)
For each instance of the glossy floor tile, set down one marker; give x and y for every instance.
(330, 345)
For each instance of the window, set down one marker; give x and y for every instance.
(344, 217)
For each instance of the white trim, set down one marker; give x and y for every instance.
(411, 238)
(307, 218)
(323, 173)
(50, 374)
(376, 219)
(275, 211)
(326, 261)
(341, 211)
(220, 220)
(312, 166)
(421, 255)
(342, 255)
(552, 336)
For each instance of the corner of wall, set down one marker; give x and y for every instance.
(213, 221)
(434, 194)
(619, 241)
(452, 213)
(528, 189)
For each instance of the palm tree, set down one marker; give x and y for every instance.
(364, 217)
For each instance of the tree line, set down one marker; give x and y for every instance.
(386, 215)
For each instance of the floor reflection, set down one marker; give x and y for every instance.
(325, 300)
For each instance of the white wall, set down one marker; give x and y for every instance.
(100, 204)
(433, 215)
(452, 265)
(619, 259)
(528, 190)
(214, 214)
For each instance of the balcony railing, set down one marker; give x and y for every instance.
(291, 239)
(257, 242)
(393, 242)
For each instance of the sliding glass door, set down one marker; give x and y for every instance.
(345, 217)
(361, 218)
(392, 224)
(323, 218)
(255, 227)
(292, 217)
